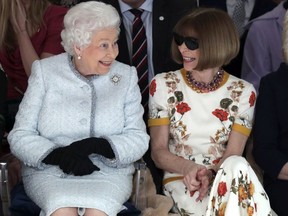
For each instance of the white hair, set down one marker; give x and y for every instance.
(285, 38)
(83, 20)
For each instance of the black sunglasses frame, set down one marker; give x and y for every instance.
(190, 42)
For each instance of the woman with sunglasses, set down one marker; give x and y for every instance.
(200, 119)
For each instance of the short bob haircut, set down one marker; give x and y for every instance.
(216, 34)
(83, 20)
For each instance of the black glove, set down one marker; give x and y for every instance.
(70, 162)
(54, 157)
(76, 164)
(91, 145)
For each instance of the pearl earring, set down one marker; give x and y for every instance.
(79, 57)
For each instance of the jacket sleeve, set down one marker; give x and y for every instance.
(25, 141)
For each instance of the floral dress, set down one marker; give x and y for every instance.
(200, 124)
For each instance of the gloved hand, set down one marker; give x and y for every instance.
(91, 145)
(54, 157)
(70, 162)
(76, 164)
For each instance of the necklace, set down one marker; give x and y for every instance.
(201, 87)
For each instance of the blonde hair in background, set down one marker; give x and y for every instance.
(285, 38)
(8, 8)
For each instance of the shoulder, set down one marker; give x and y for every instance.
(53, 63)
(172, 8)
(174, 4)
(280, 76)
(235, 82)
(170, 75)
(55, 59)
(53, 11)
(270, 16)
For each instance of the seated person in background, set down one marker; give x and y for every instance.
(79, 127)
(200, 119)
(30, 30)
(271, 132)
(253, 9)
(263, 46)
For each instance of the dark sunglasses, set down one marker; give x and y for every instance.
(190, 42)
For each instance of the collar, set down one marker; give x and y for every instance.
(146, 6)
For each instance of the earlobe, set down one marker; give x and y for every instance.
(78, 52)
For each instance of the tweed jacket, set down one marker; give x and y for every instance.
(61, 106)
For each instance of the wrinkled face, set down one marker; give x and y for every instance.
(98, 57)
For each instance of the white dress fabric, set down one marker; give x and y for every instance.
(200, 124)
(61, 106)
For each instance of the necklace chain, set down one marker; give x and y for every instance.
(201, 87)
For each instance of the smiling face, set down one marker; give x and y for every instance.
(98, 57)
(190, 57)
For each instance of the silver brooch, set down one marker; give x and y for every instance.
(115, 78)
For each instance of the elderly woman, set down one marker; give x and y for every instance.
(79, 127)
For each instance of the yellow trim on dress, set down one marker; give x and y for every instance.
(241, 129)
(171, 179)
(158, 122)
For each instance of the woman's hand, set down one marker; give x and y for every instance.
(206, 177)
(194, 176)
(18, 20)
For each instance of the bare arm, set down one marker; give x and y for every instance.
(167, 161)
(235, 146)
(27, 51)
(21, 28)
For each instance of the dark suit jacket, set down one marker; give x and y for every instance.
(260, 7)
(270, 135)
(271, 127)
(172, 11)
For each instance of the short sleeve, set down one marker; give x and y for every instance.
(158, 110)
(245, 116)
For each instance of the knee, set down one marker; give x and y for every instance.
(94, 212)
(235, 162)
(65, 211)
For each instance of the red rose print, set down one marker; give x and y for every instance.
(216, 161)
(152, 88)
(220, 114)
(182, 108)
(252, 99)
(222, 188)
